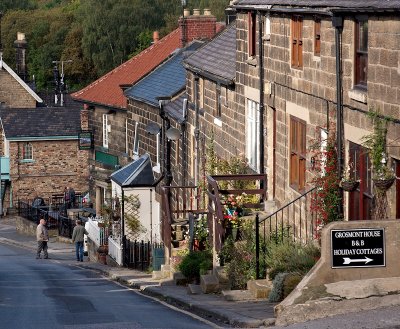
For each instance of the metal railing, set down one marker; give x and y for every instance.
(292, 222)
(137, 254)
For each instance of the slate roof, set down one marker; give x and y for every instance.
(166, 80)
(135, 174)
(174, 108)
(344, 4)
(216, 59)
(41, 123)
(107, 91)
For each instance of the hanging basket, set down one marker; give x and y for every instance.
(383, 184)
(349, 185)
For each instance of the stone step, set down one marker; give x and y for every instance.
(237, 295)
(259, 288)
(179, 279)
(209, 284)
(221, 275)
(194, 289)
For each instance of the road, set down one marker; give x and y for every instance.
(57, 293)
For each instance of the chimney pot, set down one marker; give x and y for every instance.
(207, 12)
(186, 13)
(20, 36)
(196, 12)
(156, 36)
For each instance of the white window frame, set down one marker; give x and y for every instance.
(136, 140)
(324, 144)
(157, 167)
(253, 134)
(105, 130)
(267, 27)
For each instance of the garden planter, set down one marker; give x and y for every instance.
(349, 185)
(383, 184)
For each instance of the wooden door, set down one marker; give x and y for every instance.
(360, 200)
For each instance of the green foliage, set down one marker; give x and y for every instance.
(239, 257)
(195, 263)
(131, 216)
(201, 230)
(376, 144)
(290, 257)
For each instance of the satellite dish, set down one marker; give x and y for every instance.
(152, 128)
(173, 134)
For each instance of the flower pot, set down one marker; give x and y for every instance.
(383, 184)
(349, 185)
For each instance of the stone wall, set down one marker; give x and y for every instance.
(13, 94)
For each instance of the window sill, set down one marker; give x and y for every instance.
(359, 95)
(218, 122)
(252, 61)
(26, 161)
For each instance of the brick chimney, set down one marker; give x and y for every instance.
(197, 26)
(20, 45)
(85, 117)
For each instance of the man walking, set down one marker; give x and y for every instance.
(42, 237)
(77, 238)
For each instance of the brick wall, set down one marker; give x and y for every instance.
(197, 27)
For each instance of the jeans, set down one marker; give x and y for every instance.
(79, 250)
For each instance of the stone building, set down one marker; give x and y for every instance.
(40, 152)
(115, 137)
(310, 66)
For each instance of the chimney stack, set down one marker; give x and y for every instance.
(197, 26)
(21, 45)
(156, 36)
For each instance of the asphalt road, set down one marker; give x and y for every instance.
(56, 293)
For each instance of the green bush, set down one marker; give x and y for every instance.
(290, 257)
(195, 263)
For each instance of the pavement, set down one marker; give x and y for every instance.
(248, 313)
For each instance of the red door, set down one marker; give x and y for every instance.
(360, 201)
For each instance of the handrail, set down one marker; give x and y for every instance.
(302, 228)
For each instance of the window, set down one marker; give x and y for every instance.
(251, 34)
(297, 153)
(199, 92)
(157, 167)
(105, 130)
(27, 152)
(267, 27)
(297, 42)
(136, 139)
(217, 110)
(126, 137)
(192, 154)
(361, 60)
(252, 134)
(317, 37)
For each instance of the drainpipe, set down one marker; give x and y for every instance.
(261, 73)
(337, 22)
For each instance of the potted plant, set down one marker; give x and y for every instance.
(348, 182)
(382, 175)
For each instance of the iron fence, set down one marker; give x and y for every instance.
(137, 255)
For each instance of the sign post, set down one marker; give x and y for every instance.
(358, 248)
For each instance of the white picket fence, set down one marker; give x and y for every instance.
(115, 250)
(97, 234)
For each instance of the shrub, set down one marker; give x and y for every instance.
(195, 263)
(290, 257)
(276, 294)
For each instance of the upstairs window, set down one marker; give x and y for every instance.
(136, 139)
(317, 37)
(297, 154)
(27, 152)
(267, 27)
(297, 42)
(251, 34)
(106, 129)
(217, 110)
(253, 134)
(199, 82)
(361, 60)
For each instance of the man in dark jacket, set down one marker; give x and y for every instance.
(78, 238)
